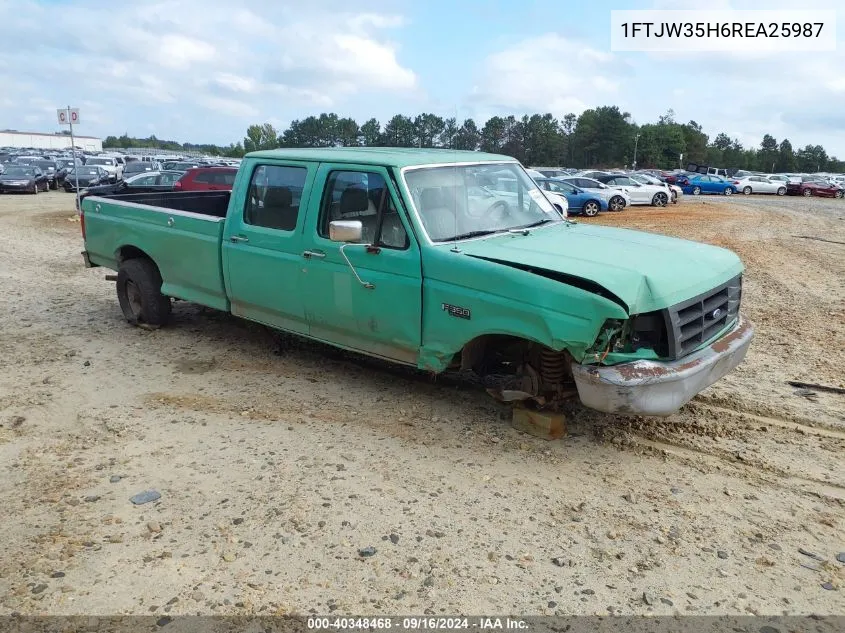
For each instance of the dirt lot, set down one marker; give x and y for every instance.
(278, 460)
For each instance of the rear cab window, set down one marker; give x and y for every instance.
(274, 197)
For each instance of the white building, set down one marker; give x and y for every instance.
(13, 138)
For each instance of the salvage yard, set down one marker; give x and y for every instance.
(295, 478)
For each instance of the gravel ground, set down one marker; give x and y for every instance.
(298, 479)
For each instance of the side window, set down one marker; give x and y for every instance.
(146, 180)
(227, 178)
(275, 192)
(205, 177)
(362, 196)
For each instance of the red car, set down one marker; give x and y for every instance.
(206, 179)
(815, 188)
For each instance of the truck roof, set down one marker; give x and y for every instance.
(385, 156)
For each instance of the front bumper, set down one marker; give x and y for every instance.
(7, 188)
(647, 387)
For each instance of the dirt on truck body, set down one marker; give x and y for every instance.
(293, 476)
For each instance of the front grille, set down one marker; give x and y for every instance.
(697, 320)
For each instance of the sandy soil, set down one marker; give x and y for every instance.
(278, 461)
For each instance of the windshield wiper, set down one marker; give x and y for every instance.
(464, 236)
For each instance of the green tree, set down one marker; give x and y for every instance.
(347, 132)
(468, 136)
(260, 137)
(371, 133)
(399, 132)
(767, 155)
(427, 130)
(493, 135)
(786, 157)
(450, 131)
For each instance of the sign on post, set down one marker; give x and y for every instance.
(70, 116)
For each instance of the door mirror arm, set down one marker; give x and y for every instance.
(366, 284)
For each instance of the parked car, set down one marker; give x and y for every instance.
(640, 194)
(110, 164)
(207, 179)
(617, 199)
(134, 167)
(675, 192)
(557, 199)
(178, 165)
(147, 182)
(819, 188)
(50, 169)
(760, 184)
(709, 184)
(88, 176)
(23, 179)
(579, 201)
(516, 293)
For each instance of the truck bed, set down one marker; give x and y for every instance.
(180, 231)
(213, 203)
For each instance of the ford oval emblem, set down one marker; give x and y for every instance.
(715, 314)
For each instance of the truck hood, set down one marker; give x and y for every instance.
(644, 271)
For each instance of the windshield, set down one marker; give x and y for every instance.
(100, 161)
(85, 171)
(471, 200)
(18, 171)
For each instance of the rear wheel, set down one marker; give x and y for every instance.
(838, 194)
(696, 191)
(781, 191)
(139, 293)
(746, 191)
(591, 208)
(660, 199)
(807, 193)
(35, 188)
(728, 191)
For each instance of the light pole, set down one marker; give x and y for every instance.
(636, 139)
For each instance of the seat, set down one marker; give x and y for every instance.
(438, 219)
(278, 212)
(355, 204)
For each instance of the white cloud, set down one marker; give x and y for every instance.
(549, 73)
(142, 61)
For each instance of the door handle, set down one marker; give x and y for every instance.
(239, 238)
(315, 254)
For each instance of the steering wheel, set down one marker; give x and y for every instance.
(496, 212)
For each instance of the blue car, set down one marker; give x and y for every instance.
(581, 201)
(709, 184)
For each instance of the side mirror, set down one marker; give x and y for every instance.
(349, 231)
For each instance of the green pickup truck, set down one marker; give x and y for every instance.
(439, 259)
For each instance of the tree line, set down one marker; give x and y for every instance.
(599, 137)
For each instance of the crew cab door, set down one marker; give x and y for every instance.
(365, 296)
(262, 243)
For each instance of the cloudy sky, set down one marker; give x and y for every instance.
(203, 70)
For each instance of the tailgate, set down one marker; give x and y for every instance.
(185, 246)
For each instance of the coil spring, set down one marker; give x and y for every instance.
(552, 366)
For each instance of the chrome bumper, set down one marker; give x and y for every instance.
(645, 387)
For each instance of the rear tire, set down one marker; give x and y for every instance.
(696, 191)
(139, 293)
(807, 193)
(35, 188)
(591, 208)
(747, 191)
(838, 194)
(782, 191)
(728, 191)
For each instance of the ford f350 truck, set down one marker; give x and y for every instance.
(437, 259)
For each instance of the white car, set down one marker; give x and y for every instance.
(675, 192)
(110, 164)
(558, 200)
(639, 193)
(760, 184)
(616, 199)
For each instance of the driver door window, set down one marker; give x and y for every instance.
(362, 196)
